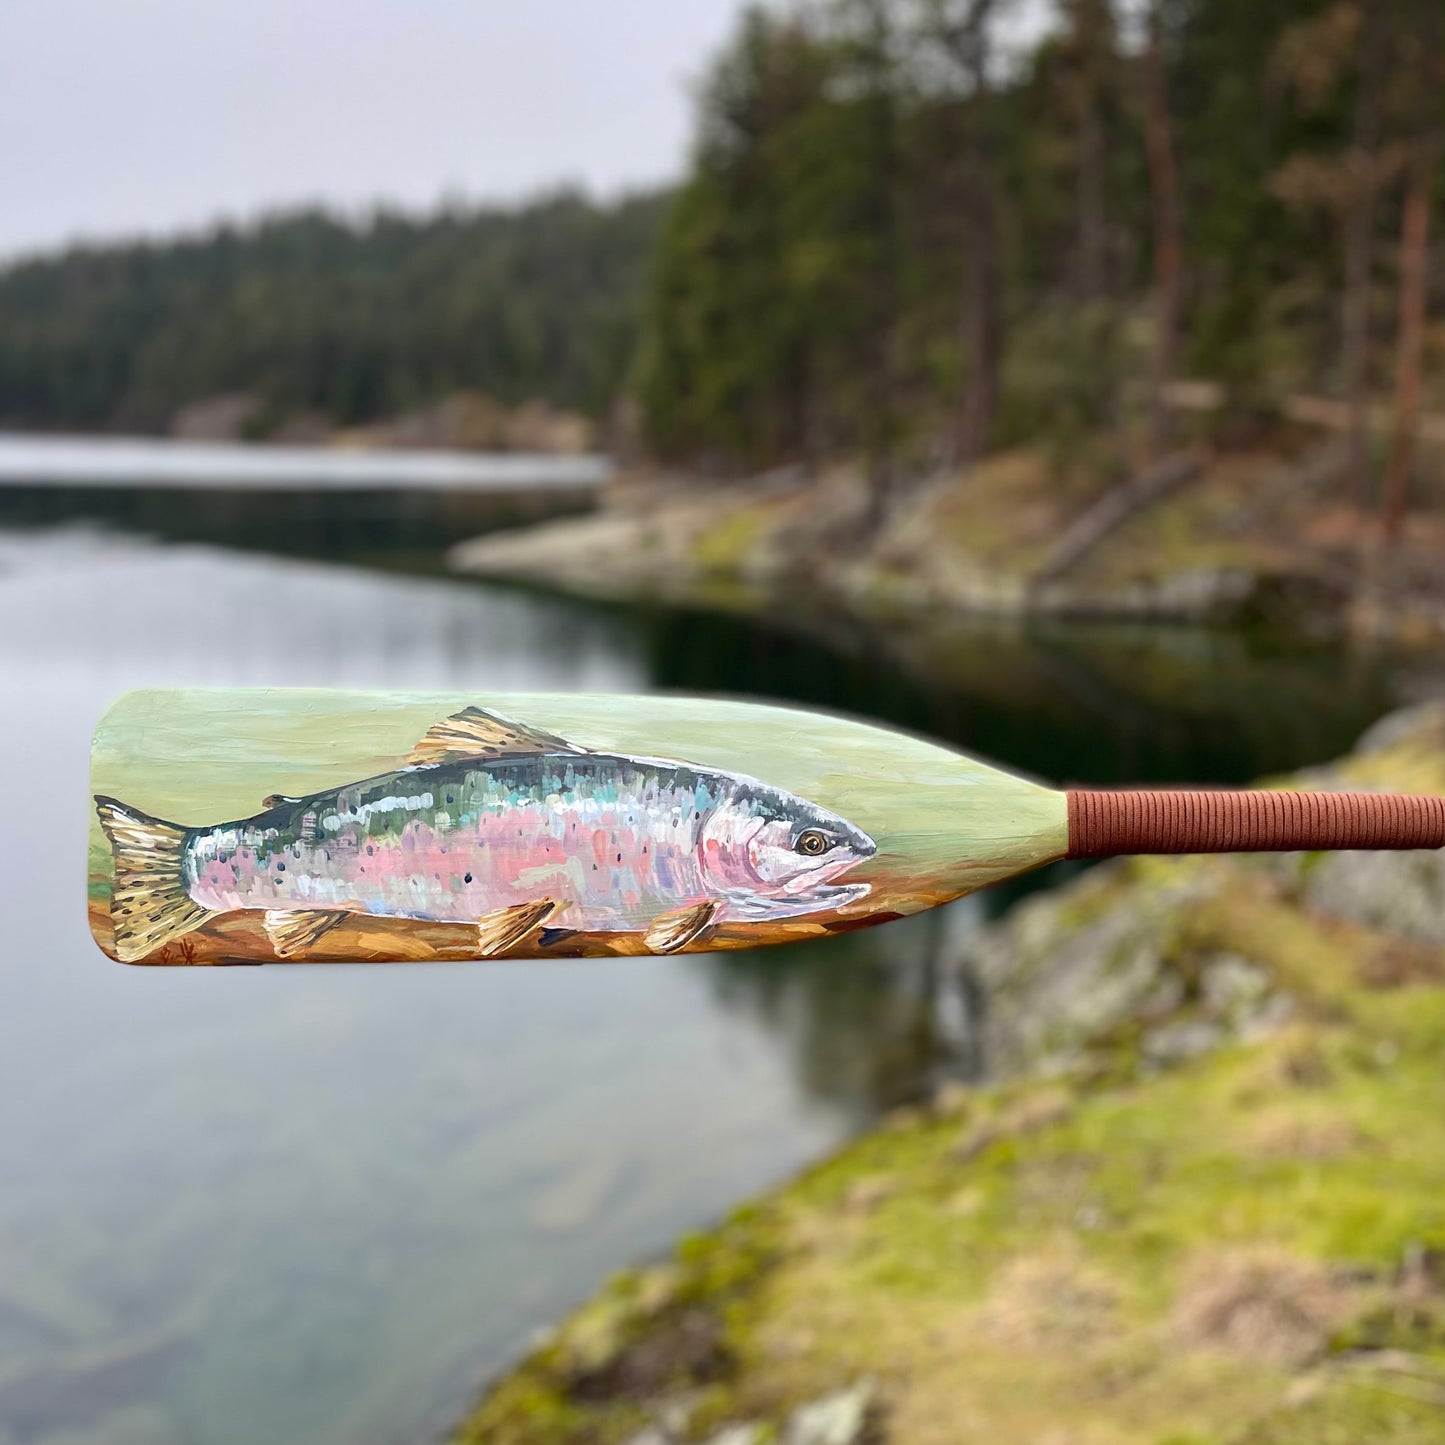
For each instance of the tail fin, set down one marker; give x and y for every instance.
(149, 905)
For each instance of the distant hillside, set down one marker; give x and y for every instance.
(316, 315)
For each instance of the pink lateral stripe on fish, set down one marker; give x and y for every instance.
(499, 825)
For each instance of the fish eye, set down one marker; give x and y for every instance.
(812, 843)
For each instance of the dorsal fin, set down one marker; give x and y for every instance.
(475, 733)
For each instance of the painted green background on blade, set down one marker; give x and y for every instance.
(945, 824)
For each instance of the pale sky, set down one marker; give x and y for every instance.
(147, 117)
(122, 117)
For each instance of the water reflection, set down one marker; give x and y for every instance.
(868, 1019)
(317, 1205)
(124, 614)
(1097, 703)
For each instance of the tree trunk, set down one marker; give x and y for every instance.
(882, 422)
(1414, 301)
(1115, 508)
(880, 426)
(983, 340)
(985, 347)
(1091, 199)
(1359, 268)
(1094, 36)
(1168, 249)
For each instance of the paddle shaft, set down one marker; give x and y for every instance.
(1105, 824)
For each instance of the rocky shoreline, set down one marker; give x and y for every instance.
(1244, 538)
(1202, 1198)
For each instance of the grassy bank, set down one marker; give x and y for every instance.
(1206, 1202)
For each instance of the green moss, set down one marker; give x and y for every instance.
(1114, 1202)
(524, 1408)
(1213, 1253)
(725, 544)
(1123, 1196)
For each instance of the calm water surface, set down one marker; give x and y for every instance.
(320, 1204)
(75, 461)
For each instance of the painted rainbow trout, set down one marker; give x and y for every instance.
(496, 824)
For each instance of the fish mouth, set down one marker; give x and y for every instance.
(839, 895)
(822, 897)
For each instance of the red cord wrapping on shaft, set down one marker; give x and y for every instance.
(1104, 824)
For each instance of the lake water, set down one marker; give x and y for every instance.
(154, 462)
(320, 1204)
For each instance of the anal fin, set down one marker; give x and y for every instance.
(292, 931)
(669, 932)
(507, 927)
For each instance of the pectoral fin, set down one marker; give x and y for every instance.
(499, 931)
(292, 932)
(671, 931)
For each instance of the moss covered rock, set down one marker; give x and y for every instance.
(1220, 1220)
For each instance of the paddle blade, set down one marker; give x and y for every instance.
(251, 826)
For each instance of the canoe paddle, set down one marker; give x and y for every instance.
(251, 826)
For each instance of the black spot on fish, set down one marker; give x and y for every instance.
(594, 867)
(619, 857)
(280, 867)
(449, 797)
(369, 850)
(466, 878)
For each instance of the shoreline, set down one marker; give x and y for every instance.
(985, 545)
